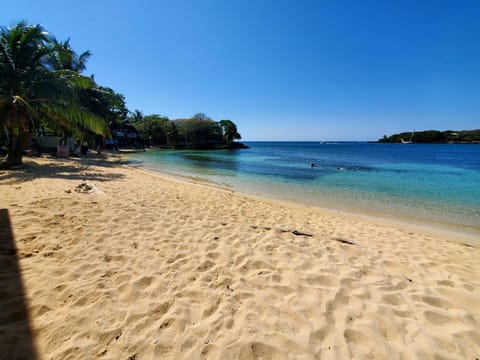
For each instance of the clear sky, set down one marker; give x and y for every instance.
(281, 70)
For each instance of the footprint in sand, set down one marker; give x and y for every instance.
(320, 280)
(393, 299)
(205, 266)
(318, 337)
(453, 322)
(445, 283)
(144, 282)
(437, 302)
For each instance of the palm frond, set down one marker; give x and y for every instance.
(76, 116)
(59, 86)
(82, 60)
(50, 91)
(74, 78)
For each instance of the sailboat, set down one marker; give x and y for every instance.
(409, 141)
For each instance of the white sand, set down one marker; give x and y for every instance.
(156, 268)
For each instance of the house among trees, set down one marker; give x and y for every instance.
(124, 135)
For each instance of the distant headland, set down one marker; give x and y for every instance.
(434, 137)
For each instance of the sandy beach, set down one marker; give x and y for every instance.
(142, 266)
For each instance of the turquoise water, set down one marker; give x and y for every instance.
(422, 182)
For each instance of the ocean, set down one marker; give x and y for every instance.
(424, 183)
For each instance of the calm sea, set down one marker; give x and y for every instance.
(421, 182)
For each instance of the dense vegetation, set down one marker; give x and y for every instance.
(198, 132)
(42, 87)
(435, 137)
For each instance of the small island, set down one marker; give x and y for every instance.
(434, 137)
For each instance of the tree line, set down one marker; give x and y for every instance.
(199, 131)
(43, 86)
(434, 137)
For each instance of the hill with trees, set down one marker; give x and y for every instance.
(435, 137)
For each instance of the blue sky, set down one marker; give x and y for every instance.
(282, 70)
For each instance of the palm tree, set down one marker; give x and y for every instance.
(136, 116)
(34, 90)
(64, 57)
(172, 134)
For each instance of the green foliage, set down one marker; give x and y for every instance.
(434, 136)
(200, 116)
(199, 131)
(154, 129)
(63, 57)
(229, 131)
(136, 116)
(40, 83)
(105, 103)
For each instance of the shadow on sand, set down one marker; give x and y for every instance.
(73, 169)
(15, 328)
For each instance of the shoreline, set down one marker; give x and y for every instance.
(429, 226)
(149, 266)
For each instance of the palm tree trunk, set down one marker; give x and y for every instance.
(17, 142)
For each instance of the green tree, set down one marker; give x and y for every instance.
(200, 116)
(199, 133)
(93, 98)
(34, 90)
(229, 131)
(136, 116)
(105, 103)
(154, 129)
(172, 134)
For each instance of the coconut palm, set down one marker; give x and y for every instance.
(32, 90)
(136, 116)
(64, 57)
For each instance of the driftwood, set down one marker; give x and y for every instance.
(345, 241)
(294, 232)
(283, 230)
